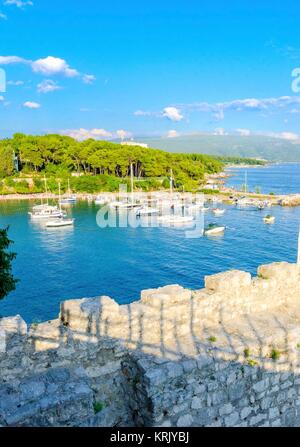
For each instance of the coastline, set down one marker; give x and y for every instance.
(223, 196)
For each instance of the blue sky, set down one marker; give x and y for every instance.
(164, 67)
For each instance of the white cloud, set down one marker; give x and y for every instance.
(218, 110)
(32, 105)
(85, 134)
(288, 136)
(294, 111)
(19, 3)
(123, 134)
(243, 132)
(172, 134)
(1, 98)
(88, 79)
(49, 66)
(172, 113)
(3, 16)
(7, 60)
(15, 83)
(48, 86)
(220, 131)
(143, 113)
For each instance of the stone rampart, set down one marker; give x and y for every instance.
(225, 355)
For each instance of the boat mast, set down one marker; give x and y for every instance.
(246, 181)
(131, 178)
(59, 196)
(46, 191)
(171, 182)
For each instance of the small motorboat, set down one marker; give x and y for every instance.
(269, 219)
(218, 211)
(146, 211)
(213, 230)
(59, 222)
(261, 206)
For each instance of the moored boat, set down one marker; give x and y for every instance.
(269, 219)
(146, 211)
(218, 211)
(60, 222)
(213, 229)
(45, 212)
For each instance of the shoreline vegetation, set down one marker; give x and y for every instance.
(95, 166)
(90, 167)
(100, 166)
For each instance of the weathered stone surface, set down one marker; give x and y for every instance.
(175, 358)
(228, 281)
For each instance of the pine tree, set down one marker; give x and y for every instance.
(7, 281)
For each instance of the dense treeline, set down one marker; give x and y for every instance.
(58, 155)
(241, 160)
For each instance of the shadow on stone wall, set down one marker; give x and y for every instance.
(226, 355)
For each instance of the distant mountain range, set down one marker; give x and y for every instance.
(257, 146)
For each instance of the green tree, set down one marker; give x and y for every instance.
(7, 281)
(6, 161)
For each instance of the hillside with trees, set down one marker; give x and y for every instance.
(98, 165)
(254, 146)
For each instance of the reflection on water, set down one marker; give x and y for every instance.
(84, 260)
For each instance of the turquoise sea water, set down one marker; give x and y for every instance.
(278, 178)
(64, 263)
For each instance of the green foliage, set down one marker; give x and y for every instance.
(212, 339)
(57, 156)
(252, 362)
(241, 161)
(98, 406)
(275, 354)
(7, 281)
(6, 161)
(209, 191)
(246, 353)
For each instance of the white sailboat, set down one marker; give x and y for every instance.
(70, 198)
(44, 210)
(126, 204)
(60, 221)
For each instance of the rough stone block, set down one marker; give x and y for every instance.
(280, 271)
(228, 282)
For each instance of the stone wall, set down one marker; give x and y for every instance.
(225, 355)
